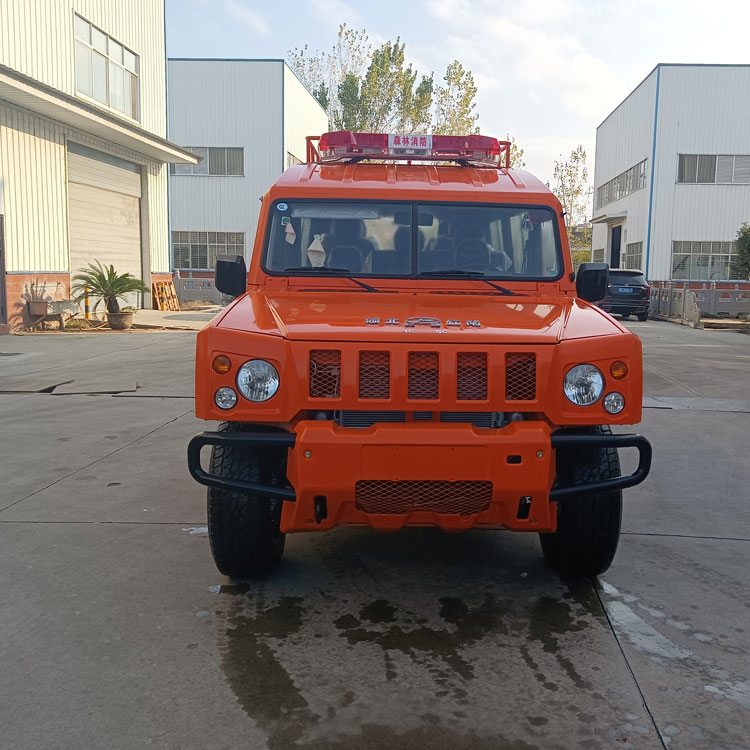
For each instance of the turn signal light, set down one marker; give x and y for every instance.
(619, 370)
(222, 364)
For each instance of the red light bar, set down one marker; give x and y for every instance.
(345, 146)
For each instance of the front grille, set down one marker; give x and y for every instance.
(367, 418)
(351, 418)
(471, 376)
(424, 375)
(325, 373)
(374, 375)
(486, 419)
(520, 376)
(464, 498)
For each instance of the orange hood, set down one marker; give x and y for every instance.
(416, 316)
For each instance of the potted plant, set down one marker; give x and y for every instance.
(109, 286)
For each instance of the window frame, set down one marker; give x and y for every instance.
(188, 170)
(234, 247)
(413, 275)
(133, 74)
(620, 186)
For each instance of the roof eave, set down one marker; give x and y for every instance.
(28, 93)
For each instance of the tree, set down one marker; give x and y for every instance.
(516, 153)
(743, 250)
(388, 99)
(376, 90)
(570, 185)
(323, 73)
(454, 106)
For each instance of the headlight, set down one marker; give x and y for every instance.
(257, 380)
(225, 398)
(614, 402)
(583, 385)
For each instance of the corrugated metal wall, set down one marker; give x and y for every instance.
(33, 173)
(702, 110)
(36, 39)
(303, 116)
(623, 140)
(225, 103)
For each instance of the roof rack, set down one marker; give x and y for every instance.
(346, 147)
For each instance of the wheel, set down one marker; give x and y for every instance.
(244, 529)
(588, 526)
(642, 316)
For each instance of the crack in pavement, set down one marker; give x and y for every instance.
(96, 461)
(686, 536)
(597, 591)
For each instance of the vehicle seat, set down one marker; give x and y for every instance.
(434, 260)
(345, 256)
(388, 261)
(473, 255)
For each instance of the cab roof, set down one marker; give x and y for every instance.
(383, 180)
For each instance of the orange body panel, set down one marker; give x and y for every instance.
(285, 319)
(329, 460)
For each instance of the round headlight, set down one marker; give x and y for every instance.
(614, 402)
(225, 398)
(583, 385)
(258, 380)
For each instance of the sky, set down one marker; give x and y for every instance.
(547, 71)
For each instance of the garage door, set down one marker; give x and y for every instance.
(104, 195)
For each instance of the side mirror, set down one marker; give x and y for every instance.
(592, 281)
(231, 275)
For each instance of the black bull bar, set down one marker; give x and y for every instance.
(287, 439)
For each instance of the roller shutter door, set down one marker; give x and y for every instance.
(104, 195)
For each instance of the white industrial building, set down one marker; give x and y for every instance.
(83, 149)
(247, 120)
(672, 174)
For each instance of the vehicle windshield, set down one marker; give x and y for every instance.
(405, 239)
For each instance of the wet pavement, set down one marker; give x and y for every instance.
(116, 630)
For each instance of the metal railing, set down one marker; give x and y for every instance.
(677, 299)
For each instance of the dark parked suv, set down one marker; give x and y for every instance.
(627, 294)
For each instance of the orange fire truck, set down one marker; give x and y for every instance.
(411, 347)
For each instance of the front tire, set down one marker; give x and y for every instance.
(244, 529)
(588, 526)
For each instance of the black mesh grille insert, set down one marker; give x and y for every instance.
(471, 376)
(374, 375)
(520, 376)
(424, 375)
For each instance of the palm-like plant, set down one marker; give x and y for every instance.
(104, 282)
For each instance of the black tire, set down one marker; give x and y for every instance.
(588, 526)
(244, 530)
(642, 316)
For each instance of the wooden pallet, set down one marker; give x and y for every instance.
(164, 295)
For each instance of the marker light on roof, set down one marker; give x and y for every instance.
(344, 145)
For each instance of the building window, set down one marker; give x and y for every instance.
(704, 261)
(597, 255)
(624, 184)
(215, 160)
(105, 70)
(633, 256)
(725, 169)
(197, 251)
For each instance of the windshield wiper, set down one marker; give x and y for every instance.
(473, 274)
(338, 272)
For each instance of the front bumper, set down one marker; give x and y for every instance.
(326, 463)
(624, 307)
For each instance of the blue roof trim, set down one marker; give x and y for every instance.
(653, 170)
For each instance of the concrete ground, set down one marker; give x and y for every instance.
(116, 630)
